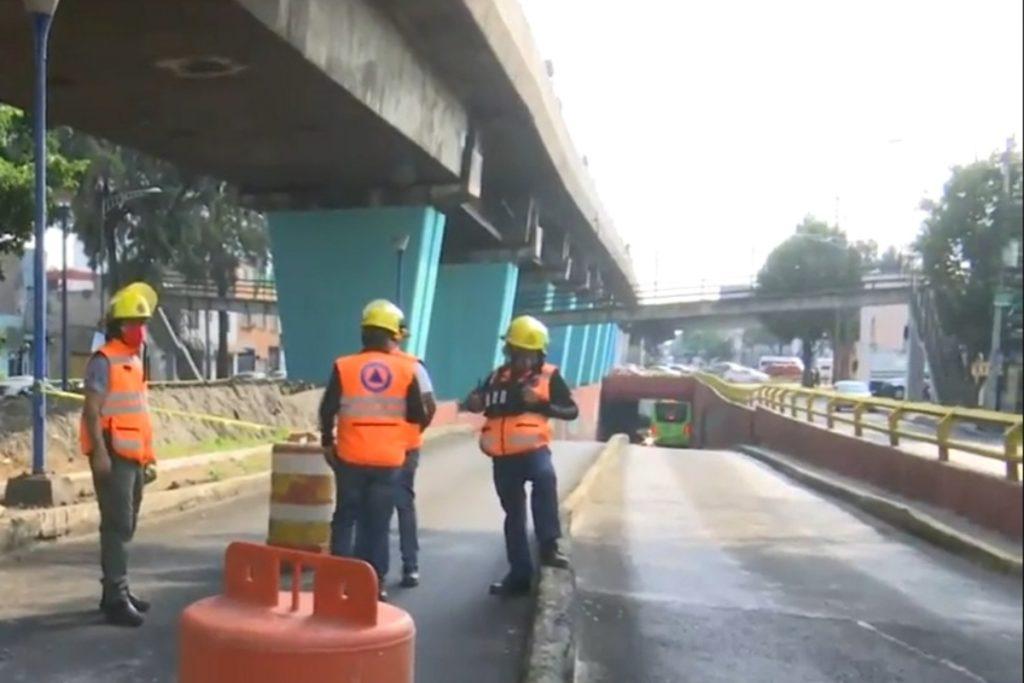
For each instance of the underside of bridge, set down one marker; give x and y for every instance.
(354, 125)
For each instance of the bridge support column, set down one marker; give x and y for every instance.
(473, 305)
(582, 340)
(597, 357)
(329, 264)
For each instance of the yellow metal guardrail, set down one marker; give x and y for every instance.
(796, 402)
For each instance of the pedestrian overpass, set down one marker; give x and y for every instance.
(727, 306)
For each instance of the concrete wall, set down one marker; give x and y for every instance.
(986, 500)
(718, 423)
(472, 308)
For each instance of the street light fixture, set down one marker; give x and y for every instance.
(401, 243)
(41, 13)
(108, 202)
(62, 199)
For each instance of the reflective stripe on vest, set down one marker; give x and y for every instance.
(372, 429)
(516, 434)
(124, 412)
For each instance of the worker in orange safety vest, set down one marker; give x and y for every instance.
(405, 493)
(517, 400)
(116, 434)
(372, 398)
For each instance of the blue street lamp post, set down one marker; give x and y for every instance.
(41, 13)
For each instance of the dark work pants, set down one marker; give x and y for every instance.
(511, 473)
(405, 505)
(365, 503)
(119, 495)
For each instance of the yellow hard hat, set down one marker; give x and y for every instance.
(385, 315)
(527, 333)
(137, 300)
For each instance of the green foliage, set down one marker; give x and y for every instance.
(708, 344)
(17, 178)
(194, 226)
(961, 243)
(816, 258)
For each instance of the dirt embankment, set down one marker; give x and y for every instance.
(267, 404)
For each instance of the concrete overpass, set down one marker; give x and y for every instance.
(353, 124)
(735, 306)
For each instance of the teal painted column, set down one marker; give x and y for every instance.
(561, 341)
(329, 264)
(613, 348)
(586, 343)
(600, 360)
(473, 305)
(596, 349)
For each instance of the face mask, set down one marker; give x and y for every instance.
(133, 334)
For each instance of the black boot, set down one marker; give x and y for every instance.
(138, 603)
(410, 578)
(119, 611)
(510, 587)
(551, 556)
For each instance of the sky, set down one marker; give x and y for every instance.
(712, 128)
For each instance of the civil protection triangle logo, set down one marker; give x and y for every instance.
(376, 377)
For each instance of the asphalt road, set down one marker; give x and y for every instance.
(50, 629)
(707, 566)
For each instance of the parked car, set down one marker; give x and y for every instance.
(891, 388)
(854, 390)
(739, 374)
(277, 375)
(19, 385)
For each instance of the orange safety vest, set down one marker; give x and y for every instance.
(372, 426)
(415, 432)
(522, 433)
(124, 414)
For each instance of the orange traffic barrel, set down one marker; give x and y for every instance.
(301, 497)
(256, 633)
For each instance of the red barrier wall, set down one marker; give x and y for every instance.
(584, 428)
(986, 500)
(718, 423)
(636, 387)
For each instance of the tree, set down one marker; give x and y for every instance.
(960, 246)
(17, 176)
(759, 335)
(218, 238)
(708, 344)
(136, 240)
(194, 226)
(816, 258)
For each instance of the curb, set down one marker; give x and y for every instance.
(19, 528)
(551, 652)
(23, 527)
(896, 513)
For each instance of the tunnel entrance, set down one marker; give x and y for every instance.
(627, 402)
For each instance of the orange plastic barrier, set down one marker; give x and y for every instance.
(255, 633)
(301, 497)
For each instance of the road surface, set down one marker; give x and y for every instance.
(50, 630)
(707, 566)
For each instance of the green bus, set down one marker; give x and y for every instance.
(672, 425)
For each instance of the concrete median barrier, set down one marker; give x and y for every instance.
(551, 653)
